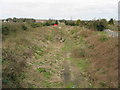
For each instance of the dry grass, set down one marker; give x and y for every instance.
(104, 68)
(37, 58)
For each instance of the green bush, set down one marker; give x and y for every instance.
(28, 20)
(78, 22)
(24, 27)
(111, 21)
(71, 23)
(41, 70)
(5, 30)
(103, 38)
(98, 25)
(34, 25)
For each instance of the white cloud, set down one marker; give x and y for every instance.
(83, 9)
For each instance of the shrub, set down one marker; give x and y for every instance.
(34, 25)
(24, 27)
(56, 22)
(103, 38)
(111, 21)
(41, 70)
(28, 20)
(5, 30)
(78, 22)
(71, 23)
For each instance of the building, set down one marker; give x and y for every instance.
(41, 21)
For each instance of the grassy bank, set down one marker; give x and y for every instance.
(54, 57)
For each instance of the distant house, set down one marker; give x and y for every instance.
(41, 21)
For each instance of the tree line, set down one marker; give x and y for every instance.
(98, 25)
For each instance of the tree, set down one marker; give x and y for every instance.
(14, 19)
(24, 27)
(111, 21)
(56, 22)
(101, 24)
(78, 22)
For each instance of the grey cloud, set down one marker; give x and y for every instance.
(84, 9)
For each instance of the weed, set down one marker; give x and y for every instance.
(47, 74)
(74, 31)
(49, 37)
(41, 70)
(68, 58)
(91, 46)
(46, 84)
(101, 33)
(56, 84)
(41, 63)
(103, 38)
(83, 64)
(38, 52)
(102, 84)
(24, 27)
(71, 85)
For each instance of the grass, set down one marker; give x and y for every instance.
(71, 85)
(83, 64)
(103, 38)
(49, 37)
(102, 84)
(101, 33)
(41, 70)
(46, 84)
(47, 75)
(68, 58)
(19, 51)
(38, 52)
(74, 31)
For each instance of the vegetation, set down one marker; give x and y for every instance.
(111, 21)
(98, 25)
(28, 20)
(35, 55)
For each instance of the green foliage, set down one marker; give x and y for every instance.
(111, 21)
(47, 74)
(50, 22)
(101, 25)
(5, 30)
(34, 25)
(71, 23)
(11, 28)
(41, 70)
(56, 22)
(74, 31)
(38, 52)
(98, 25)
(78, 22)
(63, 20)
(83, 64)
(13, 72)
(103, 38)
(71, 85)
(24, 27)
(28, 20)
(102, 84)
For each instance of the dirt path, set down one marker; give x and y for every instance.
(66, 73)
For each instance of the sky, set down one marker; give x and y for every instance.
(59, 9)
